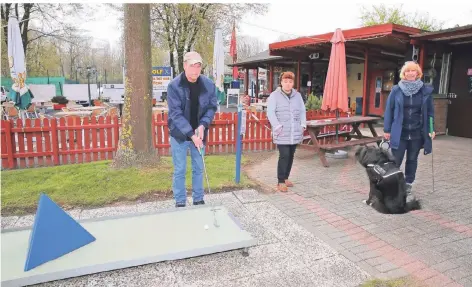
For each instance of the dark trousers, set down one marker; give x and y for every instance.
(286, 154)
(412, 148)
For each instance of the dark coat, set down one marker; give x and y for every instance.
(178, 101)
(393, 117)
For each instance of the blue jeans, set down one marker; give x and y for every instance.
(179, 159)
(412, 148)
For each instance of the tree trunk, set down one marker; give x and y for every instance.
(24, 24)
(136, 146)
(172, 62)
(180, 58)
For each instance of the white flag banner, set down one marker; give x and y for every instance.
(218, 60)
(16, 57)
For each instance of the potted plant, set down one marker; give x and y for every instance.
(60, 102)
(313, 102)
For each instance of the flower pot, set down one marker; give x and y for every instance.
(58, 106)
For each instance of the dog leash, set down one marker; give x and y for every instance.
(385, 145)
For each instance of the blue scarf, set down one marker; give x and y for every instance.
(409, 88)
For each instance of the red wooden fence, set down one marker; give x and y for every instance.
(48, 142)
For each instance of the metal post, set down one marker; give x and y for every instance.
(238, 145)
(89, 94)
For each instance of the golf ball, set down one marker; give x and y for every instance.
(206, 226)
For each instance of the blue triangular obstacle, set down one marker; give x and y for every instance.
(55, 233)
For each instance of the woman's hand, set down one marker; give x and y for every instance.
(387, 136)
(278, 129)
(432, 135)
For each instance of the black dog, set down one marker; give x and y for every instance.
(387, 182)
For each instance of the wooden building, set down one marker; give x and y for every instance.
(374, 56)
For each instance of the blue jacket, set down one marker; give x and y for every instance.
(393, 117)
(178, 101)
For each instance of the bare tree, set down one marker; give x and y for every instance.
(248, 46)
(286, 37)
(179, 26)
(39, 20)
(381, 14)
(136, 147)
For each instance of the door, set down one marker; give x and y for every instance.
(375, 98)
(459, 116)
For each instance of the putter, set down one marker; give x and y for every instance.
(431, 129)
(202, 154)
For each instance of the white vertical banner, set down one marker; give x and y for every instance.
(16, 57)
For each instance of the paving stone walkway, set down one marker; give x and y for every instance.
(434, 245)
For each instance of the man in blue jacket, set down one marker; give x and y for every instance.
(192, 102)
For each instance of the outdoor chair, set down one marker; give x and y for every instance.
(31, 111)
(11, 112)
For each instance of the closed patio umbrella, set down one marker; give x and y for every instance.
(16, 59)
(335, 90)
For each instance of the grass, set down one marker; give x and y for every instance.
(95, 184)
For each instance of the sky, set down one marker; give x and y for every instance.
(297, 18)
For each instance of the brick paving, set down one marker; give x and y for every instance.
(433, 245)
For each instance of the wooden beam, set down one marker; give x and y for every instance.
(247, 82)
(422, 56)
(365, 88)
(257, 85)
(374, 48)
(310, 77)
(271, 78)
(289, 55)
(299, 65)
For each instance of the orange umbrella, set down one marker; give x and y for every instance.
(335, 90)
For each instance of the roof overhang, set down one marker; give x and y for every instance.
(453, 36)
(350, 35)
(386, 42)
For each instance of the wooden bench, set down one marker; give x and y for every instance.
(362, 141)
(320, 136)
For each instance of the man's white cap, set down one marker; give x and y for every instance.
(192, 58)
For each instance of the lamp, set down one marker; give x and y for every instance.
(88, 72)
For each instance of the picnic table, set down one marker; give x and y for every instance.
(81, 108)
(314, 128)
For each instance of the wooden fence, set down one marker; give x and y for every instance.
(48, 142)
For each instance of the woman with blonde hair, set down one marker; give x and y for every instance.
(287, 116)
(406, 120)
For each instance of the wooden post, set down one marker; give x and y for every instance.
(256, 92)
(54, 141)
(299, 64)
(271, 78)
(422, 56)
(247, 82)
(310, 77)
(366, 83)
(8, 139)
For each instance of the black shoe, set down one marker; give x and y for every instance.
(201, 202)
(180, 205)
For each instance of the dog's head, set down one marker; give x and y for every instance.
(366, 155)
